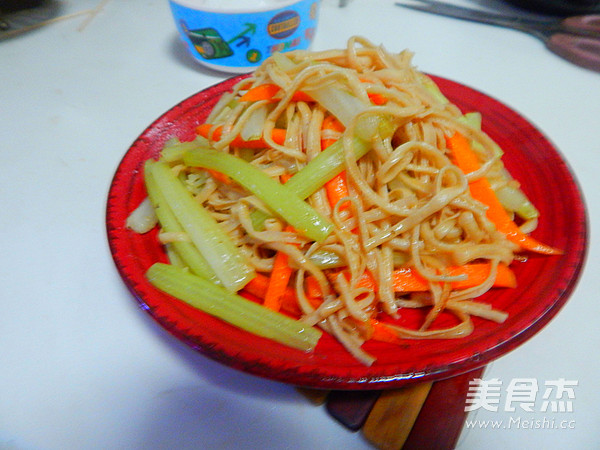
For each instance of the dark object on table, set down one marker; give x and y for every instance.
(575, 38)
(7, 6)
(18, 16)
(559, 7)
(351, 408)
(427, 415)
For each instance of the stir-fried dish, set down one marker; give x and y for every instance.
(331, 191)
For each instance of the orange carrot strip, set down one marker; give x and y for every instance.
(337, 187)
(377, 99)
(330, 123)
(260, 92)
(382, 333)
(281, 272)
(275, 289)
(214, 133)
(409, 280)
(221, 177)
(312, 287)
(209, 131)
(300, 96)
(467, 161)
(280, 277)
(269, 91)
(258, 287)
(476, 274)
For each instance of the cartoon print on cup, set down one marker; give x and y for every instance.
(240, 41)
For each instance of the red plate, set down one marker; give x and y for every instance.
(545, 282)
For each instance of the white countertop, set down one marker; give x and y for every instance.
(83, 367)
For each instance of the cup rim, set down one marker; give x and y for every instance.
(199, 5)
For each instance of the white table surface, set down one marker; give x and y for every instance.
(83, 367)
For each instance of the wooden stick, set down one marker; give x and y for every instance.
(393, 416)
(93, 13)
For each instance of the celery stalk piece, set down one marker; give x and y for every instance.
(221, 253)
(319, 170)
(472, 119)
(342, 104)
(253, 129)
(232, 308)
(174, 150)
(324, 259)
(434, 89)
(345, 106)
(316, 173)
(331, 161)
(186, 251)
(258, 217)
(143, 218)
(513, 199)
(324, 167)
(174, 257)
(276, 196)
(283, 62)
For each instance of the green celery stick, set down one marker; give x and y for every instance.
(433, 88)
(232, 308)
(186, 251)
(324, 167)
(174, 150)
(331, 161)
(222, 255)
(513, 199)
(276, 196)
(316, 173)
